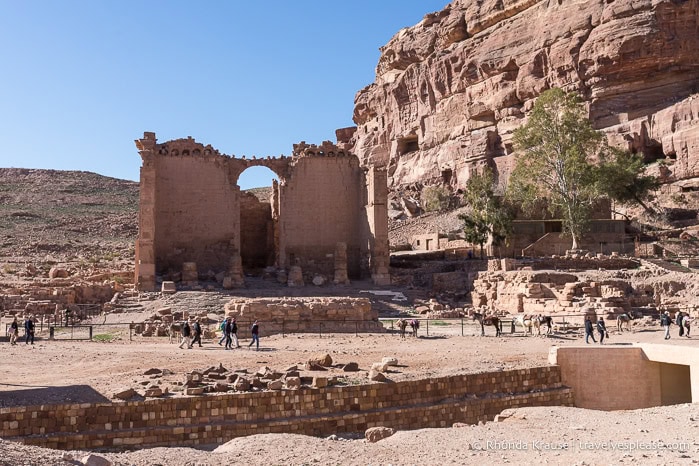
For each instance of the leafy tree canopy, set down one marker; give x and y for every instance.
(556, 148)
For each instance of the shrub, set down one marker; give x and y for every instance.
(436, 198)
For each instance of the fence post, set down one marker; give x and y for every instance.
(130, 328)
(356, 328)
(51, 330)
(428, 327)
(462, 326)
(90, 332)
(283, 335)
(320, 329)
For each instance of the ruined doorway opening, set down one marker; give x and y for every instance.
(258, 219)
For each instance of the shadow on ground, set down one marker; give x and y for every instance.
(49, 395)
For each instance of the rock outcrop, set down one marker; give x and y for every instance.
(450, 91)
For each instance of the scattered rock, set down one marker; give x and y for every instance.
(374, 434)
(95, 460)
(350, 367)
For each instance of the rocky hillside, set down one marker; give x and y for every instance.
(66, 216)
(450, 91)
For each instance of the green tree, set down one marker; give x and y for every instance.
(620, 176)
(487, 214)
(556, 147)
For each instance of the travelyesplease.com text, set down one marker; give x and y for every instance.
(605, 445)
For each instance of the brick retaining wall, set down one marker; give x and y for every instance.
(215, 419)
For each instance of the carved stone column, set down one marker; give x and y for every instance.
(377, 216)
(145, 247)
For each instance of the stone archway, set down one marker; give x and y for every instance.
(259, 221)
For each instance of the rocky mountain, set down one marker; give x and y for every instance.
(58, 216)
(450, 91)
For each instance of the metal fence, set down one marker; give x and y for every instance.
(428, 327)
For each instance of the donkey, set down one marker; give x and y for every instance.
(174, 331)
(487, 320)
(402, 324)
(622, 320)
(414, 326)
(527, 323)
(543, 320)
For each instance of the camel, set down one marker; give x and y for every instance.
(487, 320)
(527, 323)
(414, 326)
(540, 320)
(622, 320)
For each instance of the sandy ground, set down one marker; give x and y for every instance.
(72, 371)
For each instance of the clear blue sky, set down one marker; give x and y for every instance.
(81, 79)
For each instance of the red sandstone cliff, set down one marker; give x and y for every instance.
(450, 90)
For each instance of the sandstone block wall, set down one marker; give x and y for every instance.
(216, 419)
(278, 315)
(320, 205)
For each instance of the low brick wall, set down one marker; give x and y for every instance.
(215, 419)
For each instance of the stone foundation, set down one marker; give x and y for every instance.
(216, 419)
(306, 315)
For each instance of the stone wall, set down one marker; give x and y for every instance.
(278, 315)
(190, 212)
(321, 205)
(256, 232)
(438, 402)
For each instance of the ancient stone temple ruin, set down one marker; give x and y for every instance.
(326, 215)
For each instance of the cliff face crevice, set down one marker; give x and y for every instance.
(450, 91)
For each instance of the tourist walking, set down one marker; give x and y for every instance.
(197, 333)
(28, 330)
(234, 332)
(227, 332)
(678, 321)
(602, 329)
(665, 322)
(14, 331)
(222, 328)
(255, 331)
(687, 322)
(588, 330)
(186, 335)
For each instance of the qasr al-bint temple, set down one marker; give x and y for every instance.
(327, 214)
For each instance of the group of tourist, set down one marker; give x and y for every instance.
(191, 335)
(13, 331)
(589, 330)
(682, 320)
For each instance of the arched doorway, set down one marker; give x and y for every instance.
(258, 218)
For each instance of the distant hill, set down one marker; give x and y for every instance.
(53, 215)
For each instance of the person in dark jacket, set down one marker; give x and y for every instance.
(234, 332)
(14, 331)
(228, 332)
(665, 322)
(186, 335)
(588, 330)
(602, 329)
(28, 330)
(255, 331)
(197, 333)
